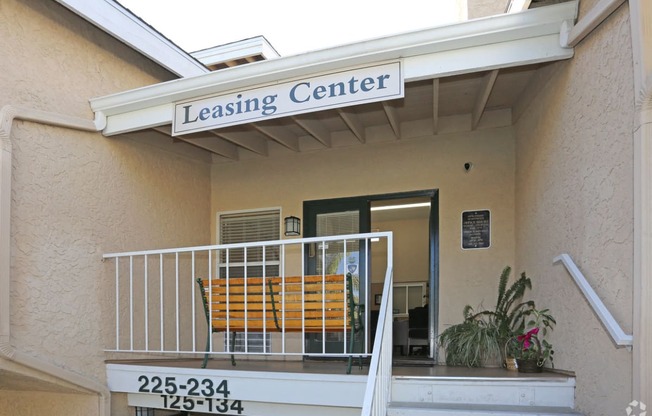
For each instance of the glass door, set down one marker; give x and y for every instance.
(333, 218)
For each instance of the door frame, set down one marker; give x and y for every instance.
(311, 207)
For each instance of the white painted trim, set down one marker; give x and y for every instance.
(499, 41)
(572, 35)
(261, 386)
(640, 17)
(378, 392)
(288, 241)
(617, 334)
(122, 24)
(236, 50)
(516, 6)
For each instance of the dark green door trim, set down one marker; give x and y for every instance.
(312, 208)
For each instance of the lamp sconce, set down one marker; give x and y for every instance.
(292, 226)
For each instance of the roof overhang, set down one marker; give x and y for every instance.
(236, 53)
(496, 42)
(122, 24)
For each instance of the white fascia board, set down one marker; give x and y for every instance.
(236, 50)
(485, 58)
(140, 119)
(498, 41)
(124, 26)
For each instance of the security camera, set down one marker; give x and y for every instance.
(468, 166)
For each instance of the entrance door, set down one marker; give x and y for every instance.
(331, 218)
(337, 216)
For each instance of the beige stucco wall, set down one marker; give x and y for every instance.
(431, 162)
(484, 8)
(410, 250)
(78, 195)
(574, 178)
(24, 403)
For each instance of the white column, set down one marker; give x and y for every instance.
(641, 23)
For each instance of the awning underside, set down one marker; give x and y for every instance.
(473, 75)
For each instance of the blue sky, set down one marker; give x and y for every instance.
(291, 26)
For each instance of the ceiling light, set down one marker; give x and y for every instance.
(401, 206)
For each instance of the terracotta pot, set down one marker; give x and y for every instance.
(528, 366)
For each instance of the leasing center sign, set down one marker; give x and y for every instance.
(334, 90)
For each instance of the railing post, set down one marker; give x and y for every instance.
(146, 303)
(131, 303)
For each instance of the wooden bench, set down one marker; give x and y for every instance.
(310, 304)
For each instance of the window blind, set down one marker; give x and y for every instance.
(248, 227)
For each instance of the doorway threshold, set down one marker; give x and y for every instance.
(408, 361)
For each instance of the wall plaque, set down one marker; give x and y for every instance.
(476, 229)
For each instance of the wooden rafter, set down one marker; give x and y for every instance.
(435, 105)
(392, 117)
(279, 135)
(205, 141)
(488, 82)
(316, 129)
(245, 140)
(352, 120)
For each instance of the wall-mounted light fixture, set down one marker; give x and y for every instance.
(292, 226)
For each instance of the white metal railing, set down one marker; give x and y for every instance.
(158, 305)
(379, 383)
(617, 334)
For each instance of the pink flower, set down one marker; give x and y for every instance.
(525, 339)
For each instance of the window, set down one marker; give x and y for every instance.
(248, 227)
(255, 341)
(337, 223)
(408, 296)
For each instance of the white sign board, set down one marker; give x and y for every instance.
(189, 403)
(339, 89)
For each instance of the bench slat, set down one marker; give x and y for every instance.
(239, 281)
(317, 304)
(331, 325)
(277, 288)
(269, 315)
(288, 307)
(289, 298)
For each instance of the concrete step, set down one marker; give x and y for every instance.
(546, 390)
(458, 409)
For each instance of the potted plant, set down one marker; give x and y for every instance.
(480, 340)
(472, 343)
(530, 348)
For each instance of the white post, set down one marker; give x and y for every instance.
(641, 25)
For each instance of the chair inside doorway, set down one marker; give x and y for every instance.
(418, 342)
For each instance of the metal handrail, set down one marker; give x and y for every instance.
(285, 242)
(613, 328)
(379, 382)
(139, 310)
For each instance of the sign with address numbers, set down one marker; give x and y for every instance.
(191, 394)
(211, 405)
(187, 386)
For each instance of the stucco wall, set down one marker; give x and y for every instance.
(484, 8)
(411, 164)
(410, 249)
(23, 403)
(78, 195)
(574, 179)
